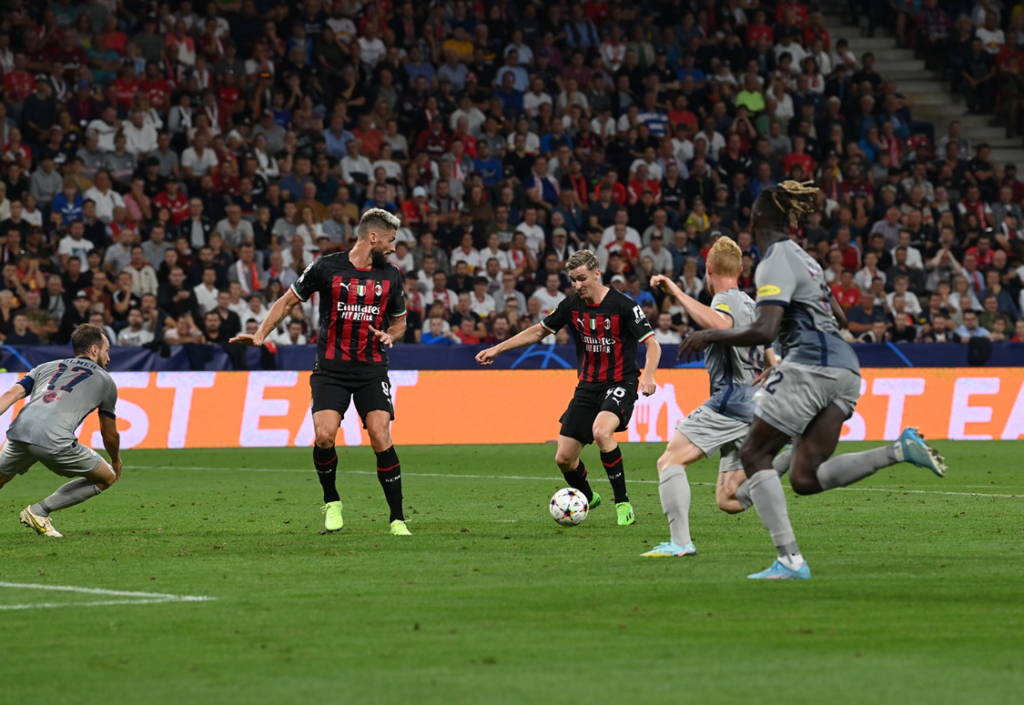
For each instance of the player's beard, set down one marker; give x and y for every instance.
(378, 258)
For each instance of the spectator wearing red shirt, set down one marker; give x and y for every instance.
(174, 200)
(19, 83)
(434, 141)
(372, 137)
(815, 29)
(846, 292)
(156, 87)
(125, 86)
(796, 10)
(798, 156)
(1010, 179)
(983, 252)
(851, 255)
(758, 30)
(611, 180)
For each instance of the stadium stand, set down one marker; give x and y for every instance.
(164, 161)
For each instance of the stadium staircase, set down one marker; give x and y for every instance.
(933, 100)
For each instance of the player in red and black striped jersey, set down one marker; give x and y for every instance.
(361, 295)
(606, 326)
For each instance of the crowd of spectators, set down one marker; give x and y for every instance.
(170, 168)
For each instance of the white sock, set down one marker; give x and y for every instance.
(674, 489)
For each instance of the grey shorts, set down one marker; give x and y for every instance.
(713, 432)
(795, 393)
(74, 461)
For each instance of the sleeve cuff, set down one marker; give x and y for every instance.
(649, 334)
(773, 302)
(398, 315)
(28, 383)
(546, 327)
(108, 414)
(296, 292)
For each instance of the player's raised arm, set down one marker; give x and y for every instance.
(281, 308)
(530, 336)
(704, 316)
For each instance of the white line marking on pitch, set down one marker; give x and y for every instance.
(553, 479)
(140, 598)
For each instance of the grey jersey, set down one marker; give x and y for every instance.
(733, 369)
(809, 334)
(62, 393)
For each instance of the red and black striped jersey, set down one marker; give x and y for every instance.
(351, 300)
(606, 335)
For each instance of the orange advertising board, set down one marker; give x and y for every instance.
(271, 409)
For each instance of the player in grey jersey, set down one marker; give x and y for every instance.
(812, 392)
(721, 423)
(63, 393)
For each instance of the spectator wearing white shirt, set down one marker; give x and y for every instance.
(440, 292)
(354, 165)
(198, 160)
(535, 237)
(480, 302)
(292, 335)
(550, 296)
(105, 128)
(136, 334)
(371, 48)
(465, 252)
(664, 333)
(206, 291)
(140, 138)
(632, 236)
(535, 98)
(74, 245)
(493, 251)
(105, 197)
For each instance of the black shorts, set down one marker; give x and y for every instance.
(333, 392)
(588, 402)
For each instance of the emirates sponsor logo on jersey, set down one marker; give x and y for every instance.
(357, 312)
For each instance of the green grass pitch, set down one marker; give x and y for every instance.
(916, 596)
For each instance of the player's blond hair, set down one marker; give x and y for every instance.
(725, 258)
(377, 219)
(582, 258)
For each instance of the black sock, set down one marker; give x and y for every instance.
(326, 462)
(612, 462)
(577, 480)
(389, 473)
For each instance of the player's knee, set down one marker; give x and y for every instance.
(603, 438)
(804, 483)
(324, 440)
(665, 461)
(380, 440)
(729, 505)
(565, 461)
(752, 458)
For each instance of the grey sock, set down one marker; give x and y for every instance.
(67, 495)
(782, 461)
(674, 489)
(844, 470)
(770, 502)
(781, 465)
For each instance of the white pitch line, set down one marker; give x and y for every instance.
(552, 479)
(142, 598)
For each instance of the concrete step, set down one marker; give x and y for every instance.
(921, 86)
(901, 75)
(989, 134)
(891, 56)
(1004, 157)
(921, 100)
(950, 111)
(872, 44)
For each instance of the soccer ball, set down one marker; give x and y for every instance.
(569, 507)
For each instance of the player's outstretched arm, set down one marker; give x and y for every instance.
(762, 331)
(111, 442)
(533, 334)
(702, 315)
(281, 308)
(12, 395)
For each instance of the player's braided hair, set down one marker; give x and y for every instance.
(794, 199)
